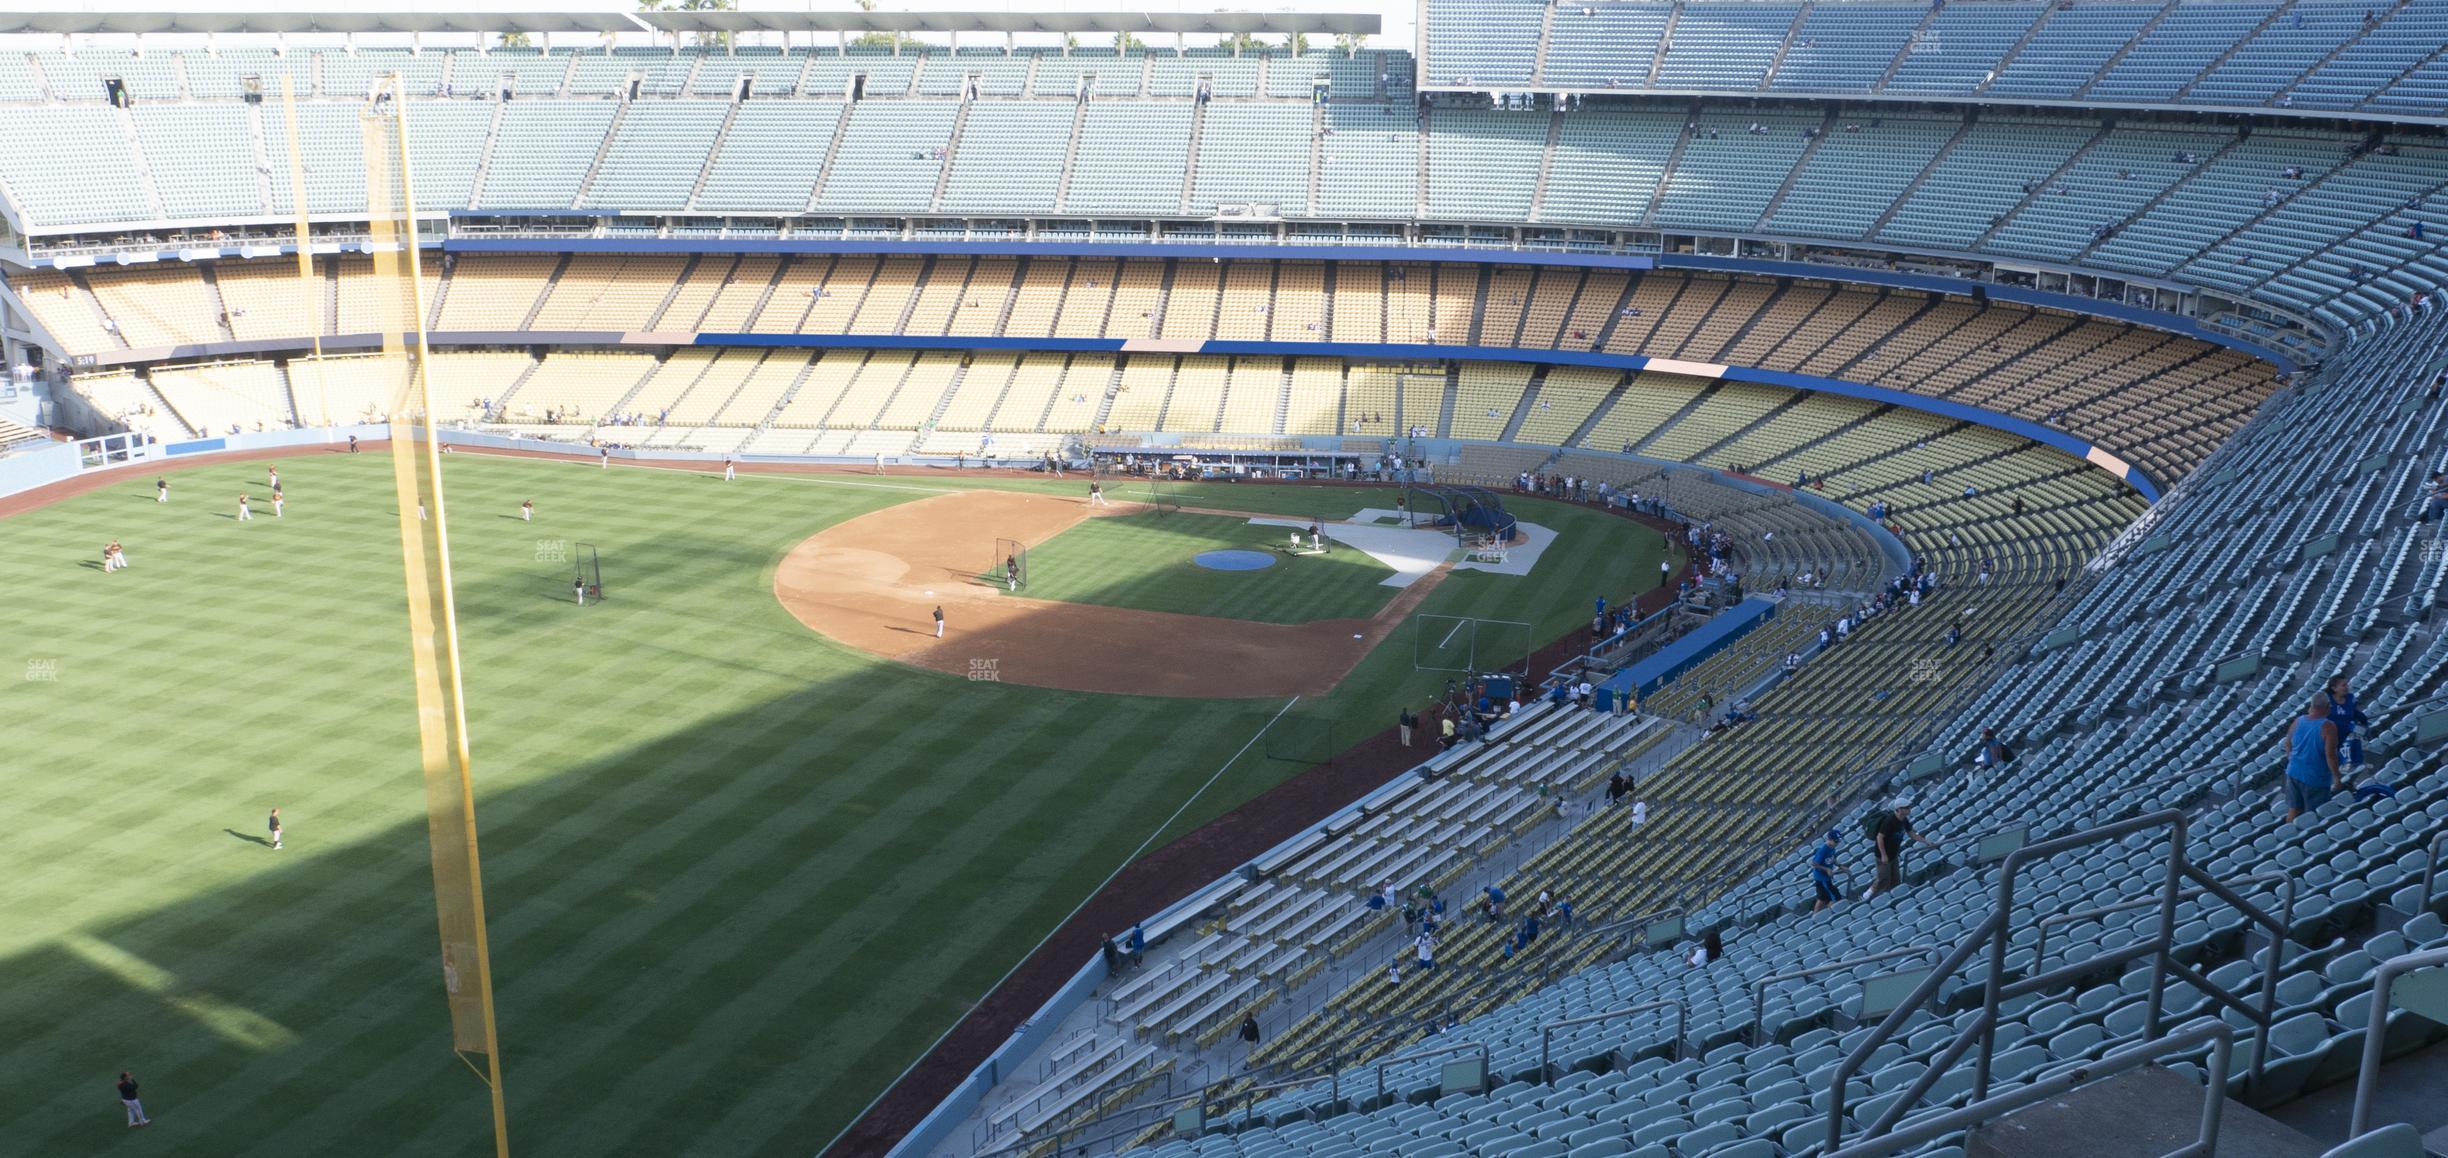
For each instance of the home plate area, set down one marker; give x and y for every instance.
(1415, 551)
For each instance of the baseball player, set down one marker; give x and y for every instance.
(114, 557)
(729, 471)
(161, 490)
(1096, 495)
(278, 500)
(244, 515)
(273, 479)
(127, 1098)
(578, 585)
(605, 461)
(276, 830)
(527, 511)
(939, 621)
(1011, 573)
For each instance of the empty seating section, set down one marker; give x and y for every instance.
(1485, 397)
(1606, 165)
(1852, 176)
(573, 386)
(1604, 45)
(890, 156)
(598, 292)
(158, 308)
(2306, 53)
(2157, 399)
(1132, 157)
(541, 153)
(267, 300)
(494, 294)
(1314, 404)
(1731, 167)
(2067, 48)
(1488, 43)
(761, 167)
(1241, 159)
(1482, 164)
(227, 397)
(655, 154)
(1720, 45)
(1846, 48)
(1368, 162)
(1746, 1083)
(97, 183)
(1985, 174)
(208, 149)
(1005, 163)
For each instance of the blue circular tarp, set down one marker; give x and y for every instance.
(1234, 560)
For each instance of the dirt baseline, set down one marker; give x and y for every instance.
(874, 581)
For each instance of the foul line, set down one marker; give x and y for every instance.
(1448, 640)
(1058, 925)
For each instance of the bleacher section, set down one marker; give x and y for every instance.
(2286, 53)
(2002, 183)
(2117, 714)
(2174, 399)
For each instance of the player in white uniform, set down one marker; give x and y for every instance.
(527, 511)
(244, 515)
(277, 501)
(729, 472)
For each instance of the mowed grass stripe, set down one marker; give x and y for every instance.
(1145, 561)
(885, 842)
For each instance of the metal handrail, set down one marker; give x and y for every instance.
(1024, 1142)
(1486, 1060)
(2382, 977)
(2431, 865)
(2040, 947)
(1547, 1031)
(1759, 988)
(2217, 1034)
(1991, 931)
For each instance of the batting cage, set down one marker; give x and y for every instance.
(1468, 512)
(1301, 738)
(590, 571)
(1007, 568)
(1460, 643)
(1161, 496)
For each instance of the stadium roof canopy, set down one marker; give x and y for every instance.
(544, 16)
(395, 16)
(974, 20)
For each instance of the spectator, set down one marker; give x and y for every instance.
(1494, 903)
(1992, 755)
(1640, 813)
(1135, 943)
(1447, 739)
(1823, 871)
(1249, 1030)
(1424, 947)
(1616, 787)
(1888, 838)
(2311, 746)
(2438, 490)
(2346, 717)
(1710, 949)
(1113, 957)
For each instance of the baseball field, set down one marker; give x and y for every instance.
(740, 872)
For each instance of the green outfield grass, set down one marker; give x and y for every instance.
(1144, 561)
(738, 877)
